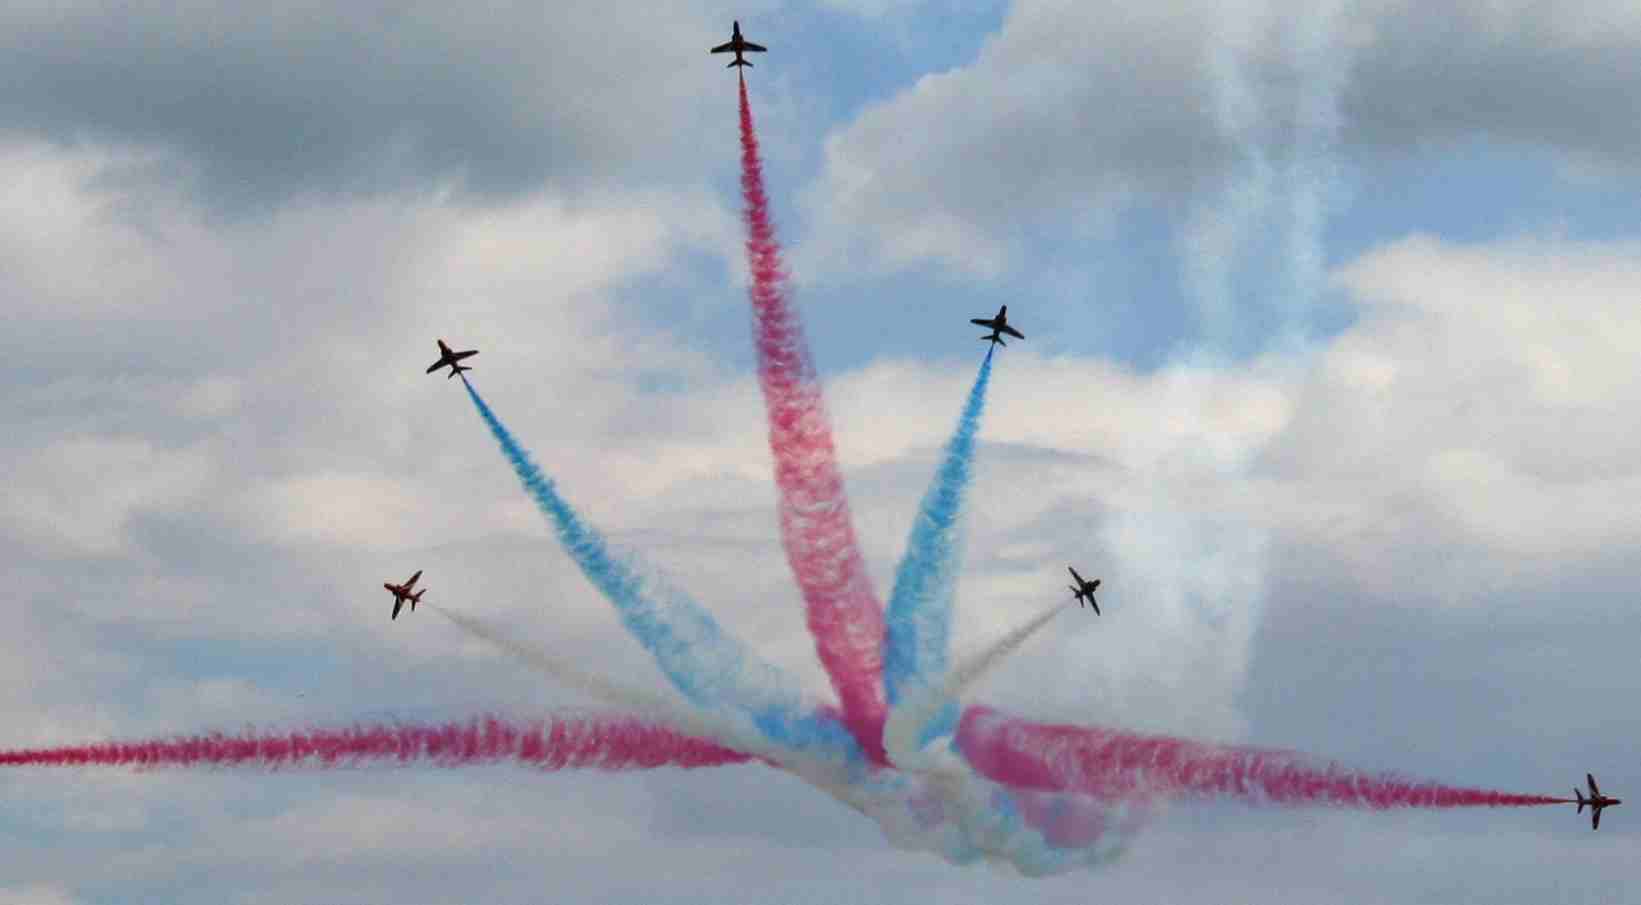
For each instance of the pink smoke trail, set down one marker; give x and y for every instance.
(844, 613)
(1112, 764)
(582, 742)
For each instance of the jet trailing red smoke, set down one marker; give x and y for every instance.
(582, 742)
(1113, 764)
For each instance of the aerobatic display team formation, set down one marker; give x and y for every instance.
(903, 743)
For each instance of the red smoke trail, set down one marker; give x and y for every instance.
(844, 613)
(599, 743)
(1111, 764)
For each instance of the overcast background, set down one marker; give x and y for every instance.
(1330, 376)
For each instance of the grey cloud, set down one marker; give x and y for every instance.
(1534, 74)
(1074, 110)
(262, 104)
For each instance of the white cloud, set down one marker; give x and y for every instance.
(1489, 382)
(77, 494)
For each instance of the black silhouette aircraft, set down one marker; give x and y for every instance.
(1596, 801)
(998, 325)
(1084, 590)
(448, 359)
(738, 45)
(401, 593)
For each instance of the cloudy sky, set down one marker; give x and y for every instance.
(1330, 378)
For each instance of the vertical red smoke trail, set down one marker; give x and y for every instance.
(600, 743)
(844, 613)
(1108, 763)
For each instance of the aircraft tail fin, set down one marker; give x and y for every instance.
(1581, 800)
(735, 63)
(456, 369)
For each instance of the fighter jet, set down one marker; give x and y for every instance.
(998, 325)
(1596, 801)
(1084, 590)
(401, 593)
(448, 358)
(738, 45)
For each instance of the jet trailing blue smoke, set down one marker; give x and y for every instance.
(918, 625)
(710, 668)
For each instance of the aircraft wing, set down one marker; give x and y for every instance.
(412, 582)
(436, 365)
(1012, 332)
(1074, 574)
(1595, 819)
(468, 354)
(1594, 792)
(748, 45)
(398, 602)
(980, 322)
(723, 48)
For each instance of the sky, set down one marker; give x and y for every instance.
(1328, 377)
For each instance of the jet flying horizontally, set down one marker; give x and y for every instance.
(998, 326)
(1084, 590)
(1596, 801)
(401, 593)
(448, 359)
(738, 45)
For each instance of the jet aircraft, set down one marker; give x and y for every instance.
(1084, 590)
(401, 593)
(998, 325)
(738, 45)
(448, 359)
(1596, 801)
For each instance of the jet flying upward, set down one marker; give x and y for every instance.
(402, 593)
(1596, 801)
(1084, 590)
(738, 45)
(998, 325)
(447, 358)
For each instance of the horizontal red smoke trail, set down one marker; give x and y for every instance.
(844, 613)
(585, 742)
(1112, 764)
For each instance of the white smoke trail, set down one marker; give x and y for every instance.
(1321, 65)
(903, 735)
(1255, 269)
(565, 673)
(1218, 230)
(980, 664)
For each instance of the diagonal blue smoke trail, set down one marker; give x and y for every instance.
(707, 666)
(918, 623)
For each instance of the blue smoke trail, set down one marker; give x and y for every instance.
(710, 668)
(918, 622)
